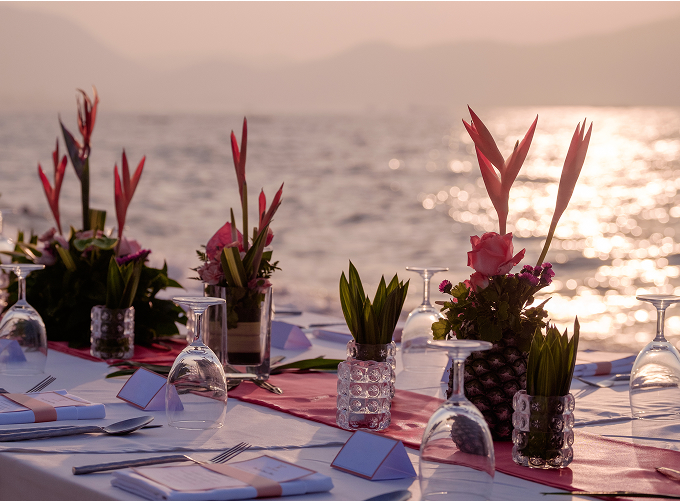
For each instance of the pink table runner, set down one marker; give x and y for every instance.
(599, 464)
(158, 354)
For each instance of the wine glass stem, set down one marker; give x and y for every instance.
(22, 287)
(198, 326)
(457, 388)
(426, 289)
(660, 320)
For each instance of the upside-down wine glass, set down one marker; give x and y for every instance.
(23, 339)
(196, 392)
(417, 356)
(655, 376)
(457, 459)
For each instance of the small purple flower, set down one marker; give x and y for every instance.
(139, 255)
(445, 286)
(527, 269)
(547, 274)
(529, 277)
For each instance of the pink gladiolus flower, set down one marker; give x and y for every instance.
(53, 194)
(498, 184)
(492, 254)
(223, 238)
(124, 191)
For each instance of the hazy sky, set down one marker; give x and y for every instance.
(271, 31)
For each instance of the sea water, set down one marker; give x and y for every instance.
(386, 191)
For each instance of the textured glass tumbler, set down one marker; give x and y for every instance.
(243, 349)
(112, 332)
(366, 386)
(543, 431)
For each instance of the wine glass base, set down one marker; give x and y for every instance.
(195, 425)
(10, 371)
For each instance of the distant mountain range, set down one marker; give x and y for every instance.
(43, 59)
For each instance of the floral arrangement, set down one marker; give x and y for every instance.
(90, 267)
(230, 260)
(492, 303)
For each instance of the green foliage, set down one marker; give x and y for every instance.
(551, 362)
(122, 283)
(500, 310)
(371, 323)
(65, 292)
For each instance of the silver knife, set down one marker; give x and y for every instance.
(94, 468)
(670, 473)
(392, 496)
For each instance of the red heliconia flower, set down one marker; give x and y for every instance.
(124, 191)
(240, 157)
(498, 184)
(52, 194)
(267, 215)
(87, 113)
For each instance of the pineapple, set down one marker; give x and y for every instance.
(491, 380)
(502, 314)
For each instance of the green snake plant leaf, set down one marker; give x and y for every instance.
(115, 284)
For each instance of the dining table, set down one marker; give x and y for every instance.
(42, 469)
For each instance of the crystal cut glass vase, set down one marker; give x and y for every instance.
(366, 386)
(112, 332)
(543, 431)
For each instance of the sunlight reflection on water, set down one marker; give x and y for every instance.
(392, 191)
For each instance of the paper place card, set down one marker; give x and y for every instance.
(337, 333)
(374, 457)
(10, 351)
(207, 477)
(189, 478)
(49, 397)
(287, 336)
(146, 390)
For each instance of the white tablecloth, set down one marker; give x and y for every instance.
(41, 469)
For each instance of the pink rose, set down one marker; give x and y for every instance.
(478, 281)
(63, 243)
(129, 247)
(211, 273)
(84, 235)
(222, 239)
(48, 236)
(261, 284)
(492, 254)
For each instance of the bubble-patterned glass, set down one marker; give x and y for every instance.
(543, 430)
(112, 332)
(366, 387)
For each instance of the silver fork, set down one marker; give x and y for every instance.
(38, 387)
(42, 384)
(220, 458)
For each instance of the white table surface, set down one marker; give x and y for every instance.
(41, 469)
